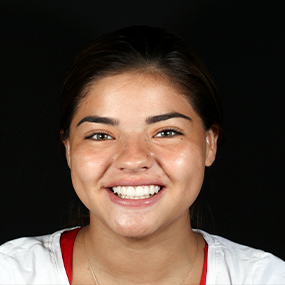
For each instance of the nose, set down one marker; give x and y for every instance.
(134, 155)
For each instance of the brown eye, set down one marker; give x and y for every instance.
(101, 137)
(167, 134)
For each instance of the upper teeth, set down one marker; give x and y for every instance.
(136, 192)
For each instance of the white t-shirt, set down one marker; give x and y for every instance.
(38, 260)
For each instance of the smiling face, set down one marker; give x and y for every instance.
(137, 136)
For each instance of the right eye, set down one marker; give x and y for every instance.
(100, 137)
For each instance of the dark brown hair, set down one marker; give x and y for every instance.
(148, 50)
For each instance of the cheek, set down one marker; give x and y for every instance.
(185, 166)
(88, 165)
(185, 156)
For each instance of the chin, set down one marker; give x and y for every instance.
(136, 231)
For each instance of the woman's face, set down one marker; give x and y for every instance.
(135, 135)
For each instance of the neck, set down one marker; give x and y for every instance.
(164, 257)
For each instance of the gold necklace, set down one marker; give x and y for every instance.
(94, 276)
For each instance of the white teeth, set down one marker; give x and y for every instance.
(131, 191)
(137, 192)
(123, 190)
(146, 191)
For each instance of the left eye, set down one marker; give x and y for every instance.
(167, 134)
(101, 137)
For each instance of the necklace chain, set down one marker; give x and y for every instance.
(193, 262)
(94, 276)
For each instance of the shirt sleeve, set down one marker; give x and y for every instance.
(6, 270)
(269, 269)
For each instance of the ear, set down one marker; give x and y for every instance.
(211, 145)
(66, 143)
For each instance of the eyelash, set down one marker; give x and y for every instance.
(175, 132)
(91, 137)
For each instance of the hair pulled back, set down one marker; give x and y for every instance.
(148, 50)
(152, 51)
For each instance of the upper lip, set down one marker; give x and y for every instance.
(138, 182)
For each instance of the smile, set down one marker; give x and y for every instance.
(136, 192)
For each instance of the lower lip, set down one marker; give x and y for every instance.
(135, 202)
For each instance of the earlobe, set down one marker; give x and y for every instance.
(211, 145)
(67, 151)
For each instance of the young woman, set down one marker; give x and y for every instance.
(140, 121)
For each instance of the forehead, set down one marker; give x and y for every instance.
(132, 94)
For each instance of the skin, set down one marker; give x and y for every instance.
(123, 242)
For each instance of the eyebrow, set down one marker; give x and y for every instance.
(149, 120)
(164, 117)
(100, 120)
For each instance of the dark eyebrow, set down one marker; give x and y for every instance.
(100, 120)
(163, 117)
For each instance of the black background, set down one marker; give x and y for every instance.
(242, 44)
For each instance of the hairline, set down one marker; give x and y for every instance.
(149, 69)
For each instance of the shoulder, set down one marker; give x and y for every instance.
(32, 260)
(230, 262)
